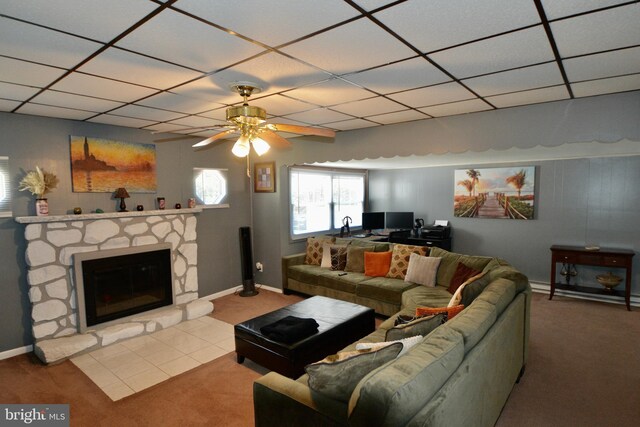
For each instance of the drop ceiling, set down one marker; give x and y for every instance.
(166, 66)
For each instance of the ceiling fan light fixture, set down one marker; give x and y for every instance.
(260, 145)
(241, 147)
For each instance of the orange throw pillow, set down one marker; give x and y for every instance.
(376, 264)
(462, 273)
(428, 311)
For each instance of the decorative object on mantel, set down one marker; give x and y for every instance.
(609, 280)
(121, 193)
(139, 208)
(77, 211)
(161, 203)
(39, 182)
(178, 206)
(98, 210)
(191, 203)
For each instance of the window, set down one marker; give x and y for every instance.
(5, 188)
(321, 198)
(210, 187)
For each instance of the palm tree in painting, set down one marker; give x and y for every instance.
(467, 184)
(475, 177)
(517, 180)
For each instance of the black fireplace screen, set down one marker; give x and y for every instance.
(120, 286)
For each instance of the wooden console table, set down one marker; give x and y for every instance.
(617, 258)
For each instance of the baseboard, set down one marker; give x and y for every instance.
(238, 288)
(16, 352)
(543, 288)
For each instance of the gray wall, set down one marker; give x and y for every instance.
(29, 141)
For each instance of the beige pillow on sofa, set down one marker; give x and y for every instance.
(422, 270)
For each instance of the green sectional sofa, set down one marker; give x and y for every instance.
(460, 374)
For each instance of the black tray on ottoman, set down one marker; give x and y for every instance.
(340, 324)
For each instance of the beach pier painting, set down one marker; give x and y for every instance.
(102, 165)
(501, 193)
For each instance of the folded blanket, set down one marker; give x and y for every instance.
(290, 329)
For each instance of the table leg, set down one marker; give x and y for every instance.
(553, 278)
(627, 289)
(239, 358)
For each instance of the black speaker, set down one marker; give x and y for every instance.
(246, 263)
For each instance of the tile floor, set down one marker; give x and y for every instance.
(125, 368)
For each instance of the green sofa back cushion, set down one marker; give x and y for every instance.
(377, 246)
(355, 258)
(420, 326)
(392, 394)
(474, 322)
(449, 264)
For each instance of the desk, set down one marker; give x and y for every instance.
(617, 258)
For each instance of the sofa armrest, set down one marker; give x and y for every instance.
(287, 261)
(281, 401)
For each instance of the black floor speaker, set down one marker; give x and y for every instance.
(246, 263)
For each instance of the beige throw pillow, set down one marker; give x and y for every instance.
(422, 270)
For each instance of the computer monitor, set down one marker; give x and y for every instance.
(399, 220)
(372, 221)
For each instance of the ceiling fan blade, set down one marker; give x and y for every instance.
(274, 139)
(304, 130)
(213, 138)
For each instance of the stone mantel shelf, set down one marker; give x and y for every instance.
(97, 216)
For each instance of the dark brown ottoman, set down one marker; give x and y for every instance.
(340, 324)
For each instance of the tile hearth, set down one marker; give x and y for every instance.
(130, 366)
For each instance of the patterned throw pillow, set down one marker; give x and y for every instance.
(462, 273)
(451, 311)
(400, 259)
(314, 249)
(338, 257)
(326, 254)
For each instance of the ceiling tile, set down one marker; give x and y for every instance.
(173, 102)
(370, 5)
(612, 85)
(273, 23)
(219, 114)
(318, 116)
(398, 117)
(8, 105)
(368, 46)
(351, 124)
(205, 88)
(166, 127)
(188, 42)
(273, 72)
(84, 84)
(128, 67)
(411, 73)
(535, 96)
(21, 72)
(26, 41)
(58, 112)
(196, 121)
(17, 92)
(609, 29)
(608, 64)
(436, 24)
(330, 92)
(139, 112)
(516, 80)
(453, 108)
(121, 121)
(559, 8)
(67, 100)
(519, 49)
(96, 19)
(369, 107)
(278, 105)
(433, 95)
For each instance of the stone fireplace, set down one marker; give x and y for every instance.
(53, 241)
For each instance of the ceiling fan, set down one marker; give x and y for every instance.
(250, 122)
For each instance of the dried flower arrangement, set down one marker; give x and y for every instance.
(39, 182)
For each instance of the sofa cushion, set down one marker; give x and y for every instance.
(346, 283)
(421, 295)
(314, 249)
(337, 375)
(400, 259)
(500, 293)
(472, 289)
(450, 311)
(305, 273)
(462, 273)
(383, 289)
(338, 257)
(326, 253)
(422, 270)
(377, 246)
(355, 258)
(510, 273)
(407, 343)
(474, 322)
(376, 264)
(470, 282)
(450, 262)
(393, 393)
(419, 326)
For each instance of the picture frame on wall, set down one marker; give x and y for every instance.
(264, 177)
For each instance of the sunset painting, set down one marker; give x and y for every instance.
(102, 165)
(507, 193)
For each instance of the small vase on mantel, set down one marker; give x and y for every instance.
(42, 207)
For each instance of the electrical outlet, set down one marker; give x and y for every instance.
(259, 267)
